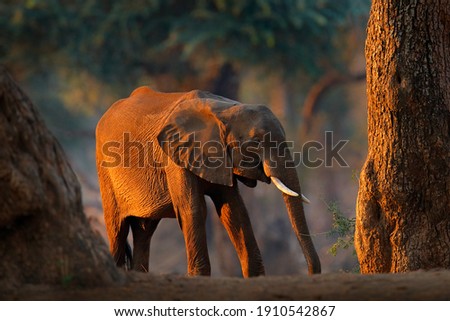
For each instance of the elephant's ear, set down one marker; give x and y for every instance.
(193, 138)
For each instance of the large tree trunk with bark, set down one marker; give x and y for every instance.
(45, 237)
(403, 207)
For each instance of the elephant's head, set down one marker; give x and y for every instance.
(220, 140)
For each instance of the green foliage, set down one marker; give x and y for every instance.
(343, 228)
(91, 52)
(113, 38)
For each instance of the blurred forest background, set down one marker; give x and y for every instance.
(302, 58)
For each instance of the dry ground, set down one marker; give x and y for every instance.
(431, 285)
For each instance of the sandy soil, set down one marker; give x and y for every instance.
(431, 285)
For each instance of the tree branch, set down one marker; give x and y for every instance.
(320, 88)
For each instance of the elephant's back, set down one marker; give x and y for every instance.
(142, 108)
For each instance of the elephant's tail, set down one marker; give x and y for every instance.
(128, 256)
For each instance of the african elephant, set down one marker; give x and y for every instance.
(159, 154)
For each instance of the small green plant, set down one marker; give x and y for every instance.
(355, 176)
(343, 228)
(66, 277)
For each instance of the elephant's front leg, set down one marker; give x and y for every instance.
(190, 209)
(234, 217)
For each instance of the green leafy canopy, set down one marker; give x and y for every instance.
(113, 37)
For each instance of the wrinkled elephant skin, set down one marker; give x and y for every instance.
(159, 154)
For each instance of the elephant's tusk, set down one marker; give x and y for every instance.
(305, 199)
(287, 190)
(282, 187)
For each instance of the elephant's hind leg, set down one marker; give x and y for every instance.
(118, 245)
(142, 230)
(117, 228)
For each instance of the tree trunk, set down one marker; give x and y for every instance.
(403, 206)
(45, 237)
(279, 99)
(226, 84)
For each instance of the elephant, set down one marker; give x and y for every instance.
(159, 154)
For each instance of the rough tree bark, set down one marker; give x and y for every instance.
(45, 237)
(403, 206)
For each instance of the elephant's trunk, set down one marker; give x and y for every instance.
(289, 179)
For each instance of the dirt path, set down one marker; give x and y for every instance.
(434, 285)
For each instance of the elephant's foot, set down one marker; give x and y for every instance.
(140, 266)
(254, 269)
(200, 270)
